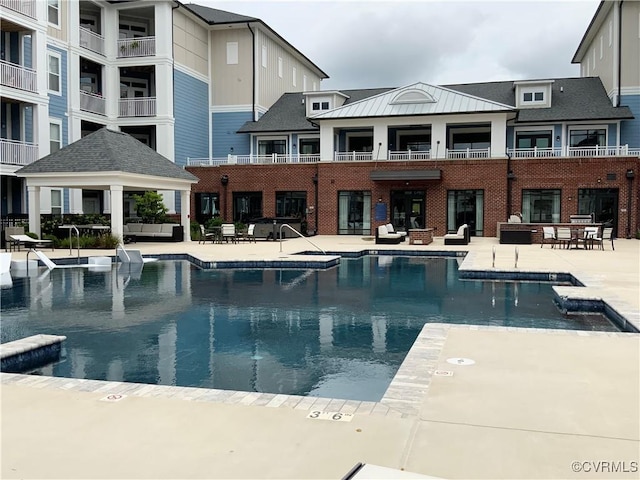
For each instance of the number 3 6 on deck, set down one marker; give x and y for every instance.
(335, 416)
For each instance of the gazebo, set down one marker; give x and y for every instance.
(107, 160)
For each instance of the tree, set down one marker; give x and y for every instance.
(150, 207)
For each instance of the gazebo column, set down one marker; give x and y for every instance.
(185, 210)
(117, 215)
(34, 209)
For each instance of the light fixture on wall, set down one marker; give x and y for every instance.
(557, 138)
(511, 175)
(224, 179)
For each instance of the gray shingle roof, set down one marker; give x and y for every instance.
(580, 99)
(108, 151)
(288, 113)
(213, 15)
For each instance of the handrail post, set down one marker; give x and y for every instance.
(299, 234)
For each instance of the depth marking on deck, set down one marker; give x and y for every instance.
(114, 397)
(443, 373)
(334, 416)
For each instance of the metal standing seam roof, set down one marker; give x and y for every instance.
(444, 101)
(108, 151)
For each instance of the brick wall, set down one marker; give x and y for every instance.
(489, 175)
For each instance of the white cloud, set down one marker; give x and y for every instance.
(385, 44)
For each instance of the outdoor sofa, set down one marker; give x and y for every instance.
(153, 232)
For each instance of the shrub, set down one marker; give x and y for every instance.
(150, 207)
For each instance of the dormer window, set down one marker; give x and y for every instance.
(533, 97)
(320, 106)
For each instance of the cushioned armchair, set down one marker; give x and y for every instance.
(461, 237)
(383, 236)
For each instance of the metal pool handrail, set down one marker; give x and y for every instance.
(300, 235)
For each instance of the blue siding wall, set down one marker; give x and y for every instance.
(630, 129)
(224, 128)
(58, 110)
(191, 112)
(612, 135)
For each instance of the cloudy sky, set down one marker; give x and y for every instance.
(362, 44)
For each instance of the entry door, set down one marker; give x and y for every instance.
(408, 209)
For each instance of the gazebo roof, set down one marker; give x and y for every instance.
(110, 153)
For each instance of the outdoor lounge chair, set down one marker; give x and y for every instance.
(563, 237)
(15, 241)
(461, 237)
(384, 237)
(390, 229)
(548, 233)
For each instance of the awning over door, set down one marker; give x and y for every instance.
(379, 175)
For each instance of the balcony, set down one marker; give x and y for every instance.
(410, 155)
(91, 41)
(466, 153)
(17, 76)
(26, 7)
(275, 158)
(13, 152)
(91, 102)
(565, 151)
(136, 47)
(137, 107)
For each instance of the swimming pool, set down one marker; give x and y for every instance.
(339, 333)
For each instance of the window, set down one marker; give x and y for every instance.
(56, 202)
(55, 137)
(54, 73)
(533, 97)
(207, 206)
(534, 139)
(589, 137)
(354, 213)
(472, 138)
(53, 12)
(247, 206)
(416, 142)
(602, 202)
(291, 204)
(280, 68)
(268, 147)
(465, 206)
(541, 206)
(315, 106)
(294, 73)
(232, 53)
(325, 105)
(310, 146)
(264, 56)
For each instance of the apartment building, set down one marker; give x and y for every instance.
(180, 78)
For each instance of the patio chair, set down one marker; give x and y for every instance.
(589, 236)
(384, 237)
(390, 229)
(229, 232)
(548, 233)
(461, 237)
(250, 235)
(17, 240)
(607, 234)
(563, 236)
(204, 235)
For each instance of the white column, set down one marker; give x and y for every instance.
(499, 137)
(39, 60)
(163, 25)
(164, 90)
(185, 211)
(438, 139)
(117, 216)
(380, 141)
(34, 209)
(73, 90)
(75, 200)
(111, 90)
(326, 142)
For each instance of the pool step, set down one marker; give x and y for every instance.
(30, 352)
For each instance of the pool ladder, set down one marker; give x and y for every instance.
(299, 234)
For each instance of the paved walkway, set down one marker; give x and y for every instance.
(533, 403)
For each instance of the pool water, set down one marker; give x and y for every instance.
(340, 333)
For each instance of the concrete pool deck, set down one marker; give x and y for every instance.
(533, 403)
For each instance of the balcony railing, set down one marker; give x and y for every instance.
(91, 41)
(137, 107)
(26, 7)
(14, 152)
(352, 156)
(137, 47)
(90, 102)
(277, 158)
(17, 76)
(410, 155)
(468, 153)
(565, 151)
